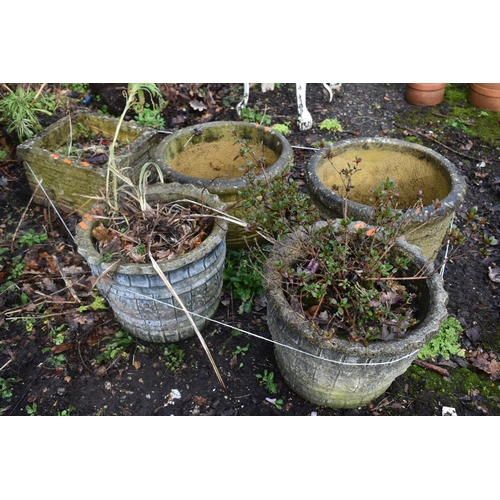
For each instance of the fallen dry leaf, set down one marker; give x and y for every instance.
(490, 366)
(198, 105)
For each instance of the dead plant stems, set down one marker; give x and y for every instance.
(188, 315)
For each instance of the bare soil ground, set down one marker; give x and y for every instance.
(63, 356)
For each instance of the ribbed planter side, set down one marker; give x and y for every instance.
(141, 301)
(425, 94)
(413, 167)
(484, 96)
(186, 140)
(348, 374)
(70, 183)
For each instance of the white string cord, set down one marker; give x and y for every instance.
(224, 324)
(50, 201)
(441, 271)
(140, 295)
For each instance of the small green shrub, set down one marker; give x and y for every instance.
(19, 109)
(283, 128)
(447, 341)
(243, 278)
(331, 124)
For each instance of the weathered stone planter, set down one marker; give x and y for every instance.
(413, 167)
(342, 373)
(208, 160)
(69, 183)
(141, 301)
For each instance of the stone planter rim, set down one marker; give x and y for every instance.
(84, 239)
(287, 253)
(216, 186)
(453, 199)
(29, 144)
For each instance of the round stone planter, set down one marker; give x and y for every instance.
(206, 156)
(413, 168)
(342, 373)
(139, 298)
(70, 183)
(425, 94)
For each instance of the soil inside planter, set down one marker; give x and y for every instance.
(218, 159)
(171, 229)
(410, 173)
(90, 146)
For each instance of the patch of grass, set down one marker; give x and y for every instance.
(19, 110)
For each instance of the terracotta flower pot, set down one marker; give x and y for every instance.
(425, 94)
(484, 96)
(207, 157)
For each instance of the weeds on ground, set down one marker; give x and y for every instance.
(30, 238)
(174, 355)
(243, 277)
(253, 115)
(67, 412)
(446, 343)
(283, 128)
(331, 124)
(20, 107)
(266, 379)
(6, 385)
(118, 347)
(31, 410)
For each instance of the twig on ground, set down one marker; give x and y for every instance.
(427, 136)
(430, 366)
